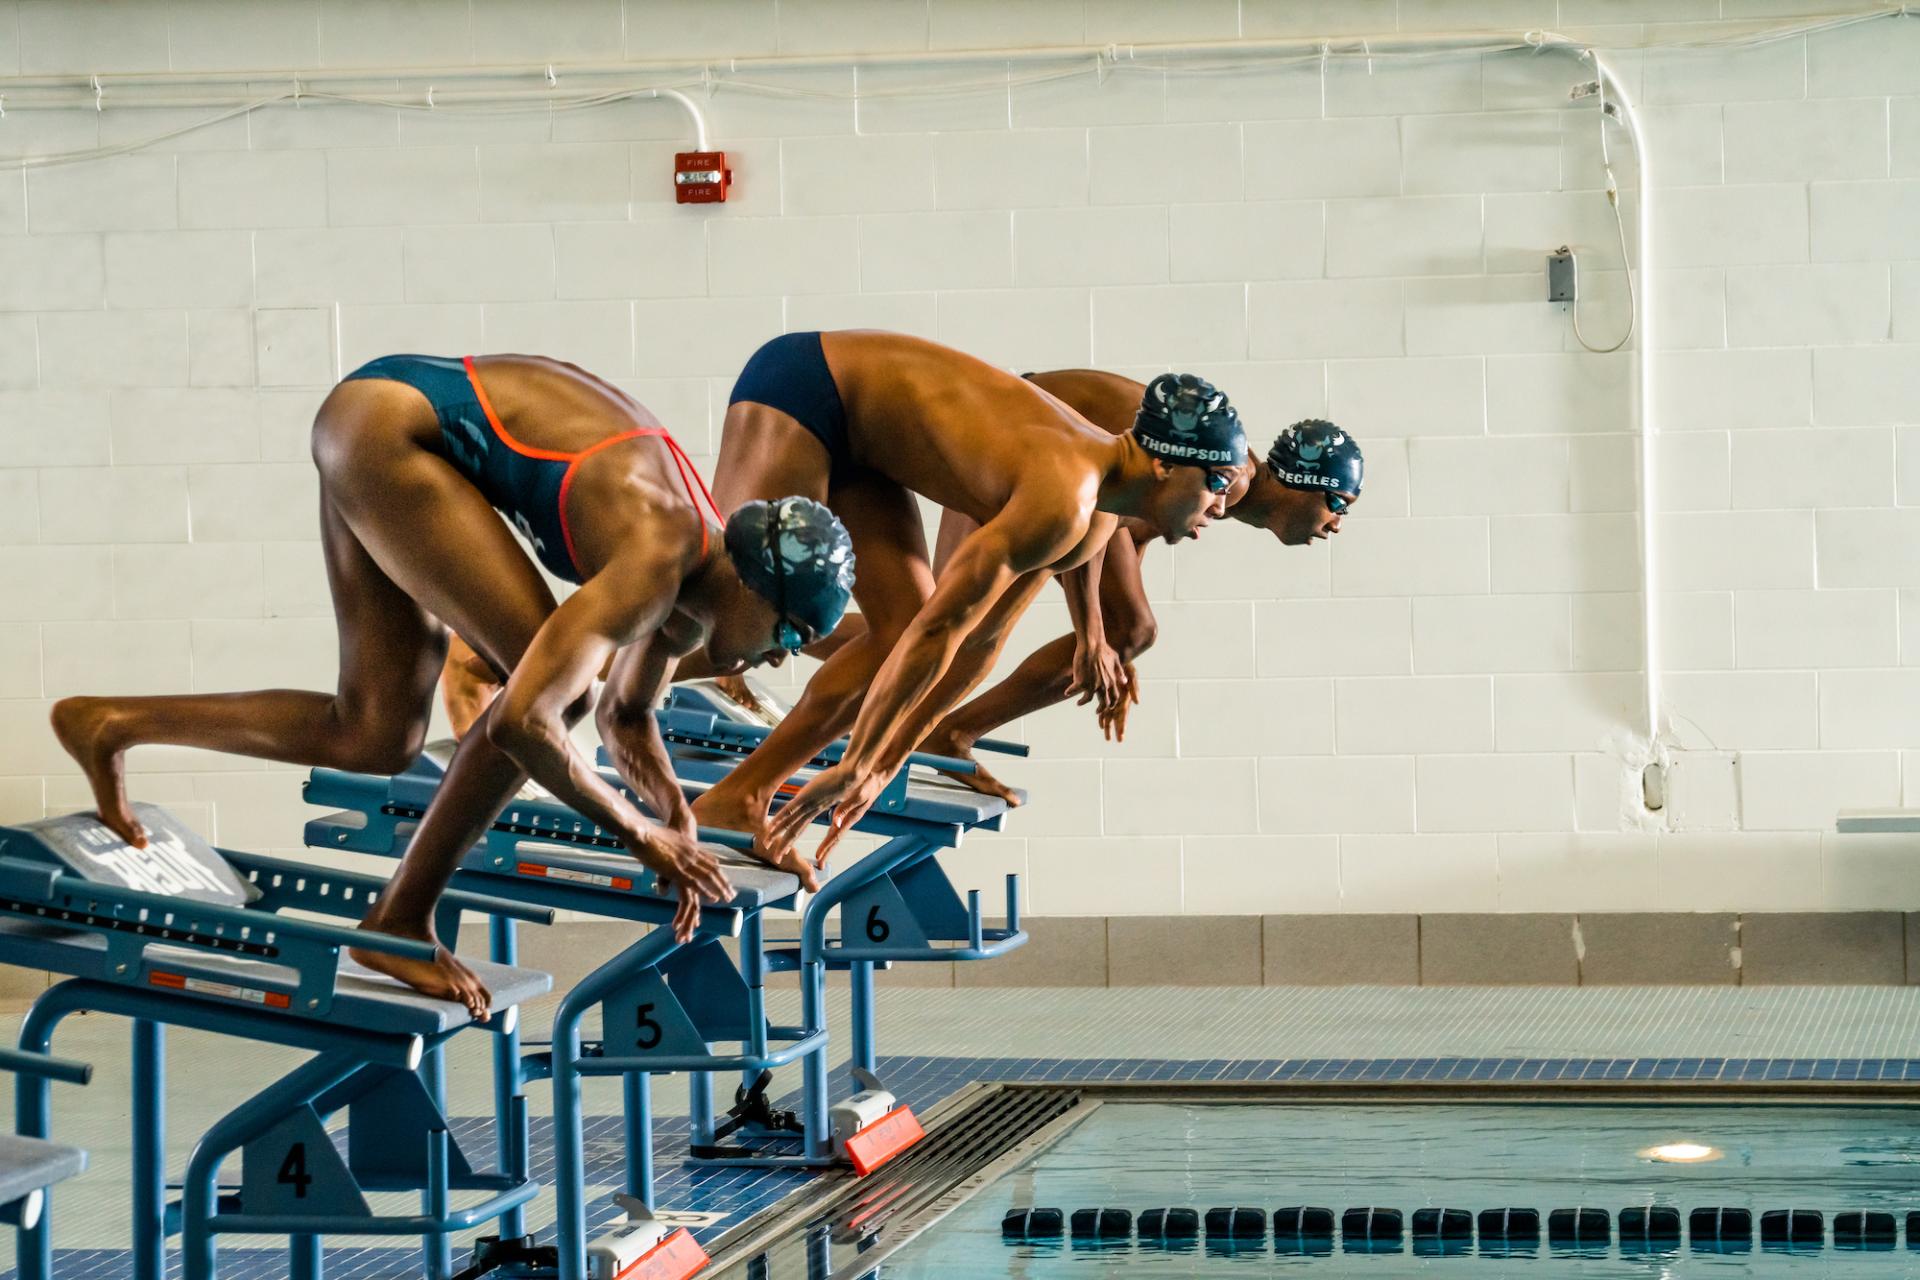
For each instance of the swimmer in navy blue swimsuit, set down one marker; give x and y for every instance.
(526, 485)
(790, 373)
(865, 421)
(415, 455)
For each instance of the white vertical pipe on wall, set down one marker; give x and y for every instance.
(1643, 374)
(1641, 351)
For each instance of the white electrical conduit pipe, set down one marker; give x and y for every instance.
(1406, 42)
(93, 91)
(431, 98)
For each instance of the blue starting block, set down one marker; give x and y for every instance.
(682, 1001)
(896, 905)
(709, 732)
(179, 933)
(28, 1166)
(664, 1006)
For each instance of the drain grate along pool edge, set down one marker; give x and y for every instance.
(843, 1225)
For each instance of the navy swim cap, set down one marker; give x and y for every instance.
(1314, 454)
(1186, 419)
(795, 554)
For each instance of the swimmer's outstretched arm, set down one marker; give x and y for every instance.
(970, 665)
(1097, 673)
(529, 720)
(1017, 541)
(1046, 675)
(468, 685)
(631, 733)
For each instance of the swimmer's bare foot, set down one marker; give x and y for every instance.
(737, 688)
(86, 728)
(945, 742)
(739, 691)
(719, 808)
(444, 977)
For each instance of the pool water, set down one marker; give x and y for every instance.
(1137, 1156)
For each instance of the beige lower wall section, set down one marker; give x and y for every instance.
(1602, 949)
(1876, 948)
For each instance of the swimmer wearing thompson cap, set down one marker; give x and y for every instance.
(416, 453)
(1299, 493)
(864, 421)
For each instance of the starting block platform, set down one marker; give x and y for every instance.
(180, 933)
(709, 732)
(896, 905)
(663, 1006)
(692, 1008)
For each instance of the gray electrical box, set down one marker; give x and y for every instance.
(1562, 280)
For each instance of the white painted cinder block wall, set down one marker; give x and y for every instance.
(1415, 718)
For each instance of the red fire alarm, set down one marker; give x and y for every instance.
(701, 177)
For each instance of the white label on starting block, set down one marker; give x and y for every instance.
(164, 866)
(574, 877)
(224, 990)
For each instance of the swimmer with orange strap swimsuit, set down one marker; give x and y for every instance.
(415, 455)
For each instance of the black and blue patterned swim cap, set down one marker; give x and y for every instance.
(796, 554)
(1314, 454)
(1185, 419)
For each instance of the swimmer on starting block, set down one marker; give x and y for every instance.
(1299, 493)
(866, 420)
(415, 453)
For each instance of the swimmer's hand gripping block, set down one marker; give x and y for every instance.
(702, 726)
(709, 697)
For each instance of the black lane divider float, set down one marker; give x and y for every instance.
(1310, 1228)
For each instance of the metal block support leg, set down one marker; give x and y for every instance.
(149, 1150)
(860, 986)
(700, 1106)
(508, 1132)
(229, 1134)
(569, 1143)
(303, 1258)
(569, 1163)
(897, 852)
(637, 1091)
(33, 1118)
(436, 1250)
(813, 1013)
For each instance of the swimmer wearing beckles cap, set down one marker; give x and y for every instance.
(416, 454)
(865, 420)
(1297, 498)
(1299, 493)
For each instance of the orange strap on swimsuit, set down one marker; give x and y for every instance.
(689, 477)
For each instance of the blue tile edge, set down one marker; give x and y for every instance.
(922, 1082)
